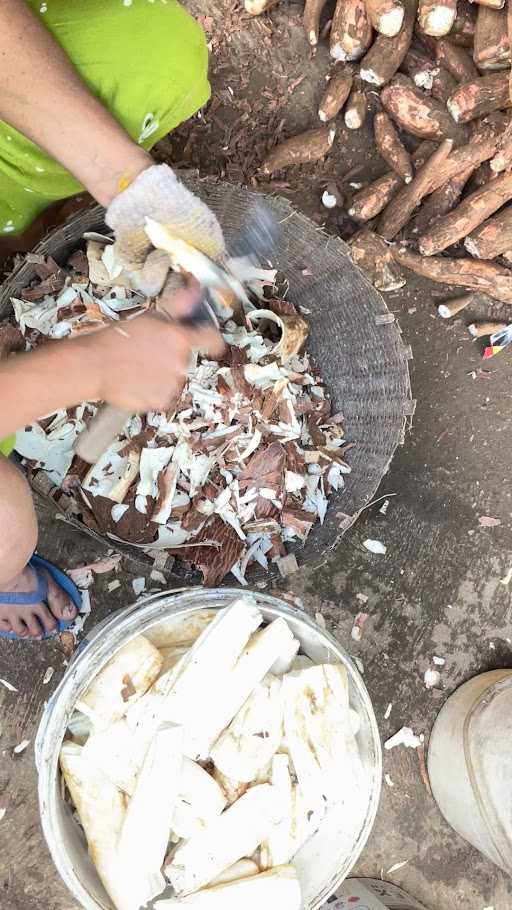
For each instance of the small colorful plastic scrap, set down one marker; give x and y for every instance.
(498, 341)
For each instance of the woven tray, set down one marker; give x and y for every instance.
(352, 337)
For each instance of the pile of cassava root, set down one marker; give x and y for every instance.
(441, 69)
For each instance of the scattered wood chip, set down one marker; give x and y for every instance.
(375, 546)
(320, 620)
(431, 678)
(358, 627)
(21, 746)
(287, 565)
(397, 866)
(504, 581)
(9, 685)
(156, 575)
(420, 751)
(404, 737)
(48, 675)
(138, 585)
(68, 643)
(486, 521)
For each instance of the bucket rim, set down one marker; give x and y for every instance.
(80, 673)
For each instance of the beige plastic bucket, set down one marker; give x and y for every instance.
(469, 764)
(329, 855)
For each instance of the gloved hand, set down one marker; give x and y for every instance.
(157, 193)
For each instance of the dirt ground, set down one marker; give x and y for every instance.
(442, 587)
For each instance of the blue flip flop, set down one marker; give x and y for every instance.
(40, 595)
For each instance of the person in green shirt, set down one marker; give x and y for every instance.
(86, 89)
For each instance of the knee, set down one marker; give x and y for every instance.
(18, 521)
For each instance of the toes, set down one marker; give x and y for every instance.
(5, 625)
(60, 603)
(18, 626)
(31, 621)
(48, 622)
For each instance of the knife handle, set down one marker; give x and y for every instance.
(101, 432)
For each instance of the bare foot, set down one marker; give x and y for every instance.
(33, 620)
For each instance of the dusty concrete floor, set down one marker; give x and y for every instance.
(438, 589)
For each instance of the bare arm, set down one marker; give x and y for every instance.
(60, 376)
(43, 96)
(48, 102)
(141, 369)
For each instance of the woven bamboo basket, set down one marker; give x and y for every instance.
(353, 338)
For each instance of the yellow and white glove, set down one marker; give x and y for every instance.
(158, 194)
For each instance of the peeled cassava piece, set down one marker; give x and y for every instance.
(200, 800)
(101, 808)
(277, 889)
(241, 869)
(117, 753)
(254, 734)
(319, 736)
(235, 834)
(149, 813)
(182, 697)
(234, 665)
(279, 847)
(121, 682)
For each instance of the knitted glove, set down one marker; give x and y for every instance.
(157, 193)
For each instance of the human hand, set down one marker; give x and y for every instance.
(158, 194)
(142, 365)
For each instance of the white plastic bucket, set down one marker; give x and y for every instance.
(328, 856)
(470, 764)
